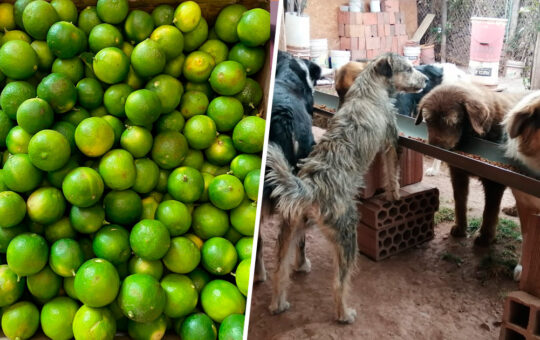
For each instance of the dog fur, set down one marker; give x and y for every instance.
(290, 128)
(324, 191)
(452, 112)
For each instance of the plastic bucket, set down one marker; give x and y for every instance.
(297, 30)
(427, 54)
(339, 58)
(487, 37)
(485, 73)
(319, 52)
(375, 6)
(514, 69)
(412, 52)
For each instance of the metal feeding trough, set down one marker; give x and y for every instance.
(412, 136)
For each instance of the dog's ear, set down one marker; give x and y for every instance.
(479, 115)
(420, 116)
(522, 119)
(383, 66)
(315, 71)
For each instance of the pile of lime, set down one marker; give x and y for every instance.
(131, 151)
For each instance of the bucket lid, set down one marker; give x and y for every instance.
(341, 53)
(489, 19)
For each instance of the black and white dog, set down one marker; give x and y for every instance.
(291, 123)
(406, 103)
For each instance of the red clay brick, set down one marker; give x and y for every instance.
(367, 32)
(387, 31)
(344, 17)
(359, 54)
(521, 316)
(358, 18)
(362, 43)
(380, 18)
(398, 18)
(395, 44)
(380, 30)
(357, 31)
(354, 43)
(402, 29)
(373, 43)
(388, 46)
(370, 54)
(345, 43)
(374, 31)
(393, 30)
(390, 6)
(391, 18)
(386, 18)
(369, 18)
(341, 30)
(383, 44)
(347, 30)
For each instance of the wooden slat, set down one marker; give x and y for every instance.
(423, 27)
(535, 78)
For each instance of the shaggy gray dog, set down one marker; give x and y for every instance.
(325, 188)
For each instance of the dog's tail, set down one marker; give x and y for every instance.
(291, 193)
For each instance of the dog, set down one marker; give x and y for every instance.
(323, 191)
(452, 112)
(345, 77)
(290, 128)
(522, 124)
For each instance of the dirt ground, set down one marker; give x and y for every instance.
(442, 289)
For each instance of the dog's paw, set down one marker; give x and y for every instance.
(349, 316)
(517, 273)
(483, 241)
(305, 267)
(432, 172)
(458, 231)
(392, 195)
(276, 308)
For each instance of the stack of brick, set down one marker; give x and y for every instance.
(521, 318)
(387, 228)
(367, 35)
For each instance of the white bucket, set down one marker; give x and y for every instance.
(375, 6)
(297, 30)
(514, 69)
(339, 58)
(484, 73)
(412, 53)
(319, 52)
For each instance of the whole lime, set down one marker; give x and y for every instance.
(220, 299)
(94, 323)
(20, 321)
(141, 298)
(96, 283)
(27, 254)
(150, 239)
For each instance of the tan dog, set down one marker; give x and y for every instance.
(345, 77)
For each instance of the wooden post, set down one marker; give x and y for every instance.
(444, 16)
(535, 75)
(530, 258)
(282, 45)
(513, 19)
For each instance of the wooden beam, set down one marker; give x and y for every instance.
(422, 29)
(513, 19)
(535, 75)
(444, 16)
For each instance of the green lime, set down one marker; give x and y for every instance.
(219, 256)
(15, 35)
(226, 22)
(112, 244)
(148, 330)
(88, 19)
(87, 220)
(49, 150)
(182, 296)
(228, 78)
(173, 121)
(162, 181)
(137, 140)
(168, 89)
(68, 287)
(143, 107)
(232, 328)
(60, 229)
(97, 283)
(134, 80)
(38, 17)
(83, 187)
(254, 27)
(27, 254)
(251, 95)
(195, 38)
(220, 299)
(209, 221)
(194, 159)
(122, 207)
(7, 234)
(57, 318)
(12, 287)
(17, 140)
(243, 164)
(44, 55)
(127, 48)
(217, 49)
(20, 321)
(94, 136)
(170, 40)
(58, 91)
(12, 209)
(201, 87)
(57, 177)
(18, 8)
(183, 256)
(104, 35)
(65, 40)
(148, 59)
(169, 149)
(185, 184)
(86, 246)
(75, 116)
(7, 17)
(187, 15)
(226, 192)
(150, 239)
(66, 10)
(20, 175)
(193, 103)
(111, 65)
(195, 239)
(150, 205)
(198, 66)
(72, 68)
(138, 265)
(13, 95)
(200, 278)
(200, 132)
(115, 98)
(89, 93)
(212, 34)
(252, 58)
(251, 184)
(34, 115)
(141, 298)
(66, 257)
(138, 26)
(207, 180)
(174, 66)
(117, 168)
(242, 276)
(18, 59)
(147, 176)
(226, 112)
(46, 205)
(163, 15)
(94, 324)
(117, 125)
(68, 131)
(248, 134)
(244, 247)
(198, 327)
(44, 285)
(175, 216)
(112, 11)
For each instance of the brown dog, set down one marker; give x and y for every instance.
(454, 111)
(345, 77)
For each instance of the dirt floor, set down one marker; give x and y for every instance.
(442, 289)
